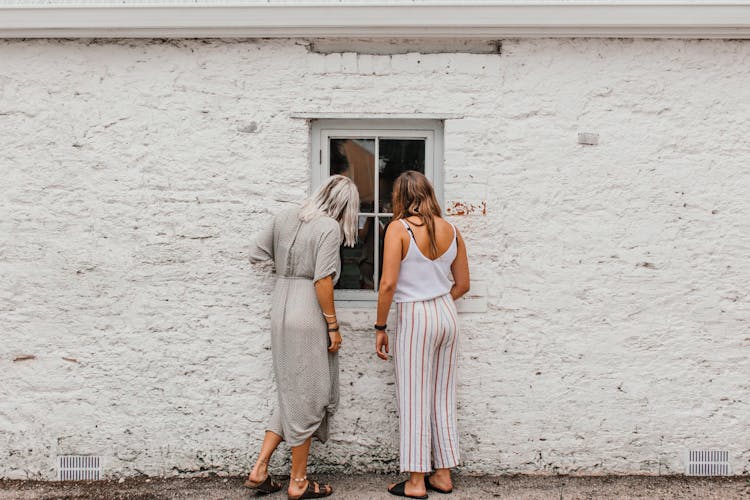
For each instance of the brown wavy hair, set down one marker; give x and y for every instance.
(413, 195)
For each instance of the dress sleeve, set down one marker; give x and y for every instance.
(262, 248)
(327, 258)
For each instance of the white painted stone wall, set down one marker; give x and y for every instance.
(135, 173)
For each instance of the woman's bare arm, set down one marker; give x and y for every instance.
(392, 247)
(324, 292)
(460, 269)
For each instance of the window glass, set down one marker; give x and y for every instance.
(355, 158)
(396, 156)
(383, 224)
(358, 263)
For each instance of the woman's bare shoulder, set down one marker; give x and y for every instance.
(396, 227)
(396, 224)
(439, 221)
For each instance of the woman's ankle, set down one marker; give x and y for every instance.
(442, 473)
(297, 484)
(441, 478)
(260, 468)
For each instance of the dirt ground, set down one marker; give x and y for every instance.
(372, 487)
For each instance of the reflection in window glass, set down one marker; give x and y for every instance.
(395, 157)
(357, 263)
(355, 157)
(383, 225)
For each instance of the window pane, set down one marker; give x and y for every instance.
(382, 225)
(355, 158)
(358, 263)
(361, 266)
(397, 156)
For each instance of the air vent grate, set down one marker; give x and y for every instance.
(708, 463)
(79, 468)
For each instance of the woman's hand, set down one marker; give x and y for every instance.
(335, 338)
(381, 344)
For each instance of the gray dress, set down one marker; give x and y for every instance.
(306, 373)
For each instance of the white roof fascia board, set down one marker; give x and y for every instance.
(314, 115)
(616, 18)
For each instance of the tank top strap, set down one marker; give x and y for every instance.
(408, 228)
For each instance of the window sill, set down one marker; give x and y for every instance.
(364, 300)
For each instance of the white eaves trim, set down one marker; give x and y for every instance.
(314, 115)
(616, 18)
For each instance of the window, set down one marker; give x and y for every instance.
(373, 153)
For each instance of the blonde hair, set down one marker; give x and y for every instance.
(413, 195)
(338, 199)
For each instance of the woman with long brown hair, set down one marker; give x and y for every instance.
(421, 251)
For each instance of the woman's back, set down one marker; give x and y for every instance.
(425, 269)
(300, 249)
(445, 236)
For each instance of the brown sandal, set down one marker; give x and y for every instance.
(311, 493)
(265, 487)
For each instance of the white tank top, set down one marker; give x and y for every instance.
(421, 278)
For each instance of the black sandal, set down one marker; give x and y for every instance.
(311, 493)
(429, 486)
(265, 487)
(399, 490)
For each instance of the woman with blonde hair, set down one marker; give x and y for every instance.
(303, 243)
(421, 251)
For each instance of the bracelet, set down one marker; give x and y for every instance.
(333, 329)
(329, 315)
(381, 327)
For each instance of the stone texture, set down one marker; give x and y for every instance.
(373, 487)
(136, 172)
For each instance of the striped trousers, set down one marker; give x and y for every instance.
(425, 355)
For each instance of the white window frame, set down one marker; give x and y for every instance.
(324, 130)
